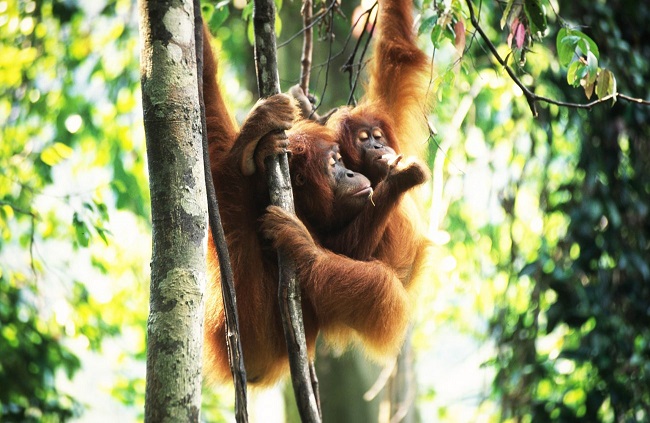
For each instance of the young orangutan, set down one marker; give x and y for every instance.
(389, 122)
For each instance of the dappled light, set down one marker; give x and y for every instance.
(536, 305)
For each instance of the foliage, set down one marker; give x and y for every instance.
(30, 355)
(70, 162)
(543, 249)
(560, 243)
(524, 204)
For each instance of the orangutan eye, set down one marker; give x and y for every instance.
(376, 133)
(364, 135)
(331, 162)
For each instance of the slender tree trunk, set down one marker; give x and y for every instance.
(280, 191)
(179, 211)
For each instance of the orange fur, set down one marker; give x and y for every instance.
(396, 102)
(399, 77)
(341, 296)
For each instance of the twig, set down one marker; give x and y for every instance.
(314, 385)
(305, 64)
(380, 382)
(331, 9)
(633, 99)
(319, 17)
(349, 65)
(531, 97)
(233, 337)
(279, 181)
(307, 46)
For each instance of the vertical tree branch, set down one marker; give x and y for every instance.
(281, 195)
(305, 73)
(233, 337)
(307, 46)
(178, 207)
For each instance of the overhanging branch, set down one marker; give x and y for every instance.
(531, 97)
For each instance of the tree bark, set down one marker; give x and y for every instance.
(268, 81)
(307, 46)
(179, 211)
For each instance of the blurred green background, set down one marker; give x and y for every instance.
(538, 309)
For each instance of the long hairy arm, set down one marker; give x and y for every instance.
(400, 74)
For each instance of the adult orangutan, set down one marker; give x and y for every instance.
(342, 297)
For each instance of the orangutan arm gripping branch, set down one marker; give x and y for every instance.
(364, 296)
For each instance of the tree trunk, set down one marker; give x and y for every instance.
(281, 194)
(179, 211)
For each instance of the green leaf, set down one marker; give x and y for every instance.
(427, 25)
(102, 233)
(605, 84)
(55, 153)
(7, 212)
(436, 35)
(592, 45)
(536, 17)
(118, 186)
(247, 11)
(572, 74)
(207, 9)
(571, 44)
(566, 46)
(102, 209)
(585, 44)
(220, 14)
(592, 67)
(278, 23)
(250, 32)
(506, 14)
(81, 230)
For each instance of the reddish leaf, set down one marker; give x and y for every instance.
(520, 35)
(513, 27)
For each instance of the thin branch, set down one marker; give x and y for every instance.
(233, 337)
(633, 99)
(319, 17)
(282, 195)
(349, 65)
(307, 46)
(331, 9)
(381, 381)
(531, 97)
(18, 209)
(314, 385)
(327, 67)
